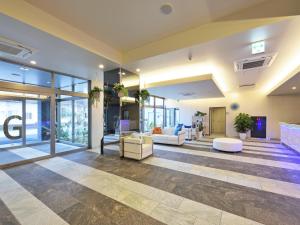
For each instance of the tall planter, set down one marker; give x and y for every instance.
(243, 123)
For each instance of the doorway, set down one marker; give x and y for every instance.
(217, 121)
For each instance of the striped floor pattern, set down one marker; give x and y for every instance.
(191, 184)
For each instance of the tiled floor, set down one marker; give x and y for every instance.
(22, 153)
(191, 184)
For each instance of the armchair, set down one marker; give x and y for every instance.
(138, 147)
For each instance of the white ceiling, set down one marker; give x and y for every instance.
(217, 57)
(286, 87)
(191, 90)
(53, 53)
(128, 24)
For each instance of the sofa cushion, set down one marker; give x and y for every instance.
(178, 128)
(157, 130)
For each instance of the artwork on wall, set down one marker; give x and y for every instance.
(234, 106)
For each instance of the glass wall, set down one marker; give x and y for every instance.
(32, 101)
(172, 117)
(153, 113)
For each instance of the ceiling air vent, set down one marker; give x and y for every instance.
(15, 49)
(254, 62)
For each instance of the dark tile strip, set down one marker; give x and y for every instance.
(6, 217)
(276, 173)
(261, 206)
(245, 154)
(73, 202)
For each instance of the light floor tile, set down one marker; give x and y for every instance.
(27, 209)
(204, 214)
(172, 216)
(260, 183)
(231, 219)
(257, 161)
(28, 153)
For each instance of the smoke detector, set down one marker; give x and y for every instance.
(166, 9)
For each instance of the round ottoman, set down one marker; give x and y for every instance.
(228, 144)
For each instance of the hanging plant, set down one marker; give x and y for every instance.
(142, 96)
(120, 90)
(94, 95)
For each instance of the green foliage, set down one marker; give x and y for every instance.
(142, 96)
(119, 88)
(243, 123)
(200, 128)
(198, 113)
(94, 95)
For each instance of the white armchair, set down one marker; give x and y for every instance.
(138, 147)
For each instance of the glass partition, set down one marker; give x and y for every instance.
(130, 109)
(72, 123)
(24, 75)
(36, 120)
(67, 83)
(153, 113)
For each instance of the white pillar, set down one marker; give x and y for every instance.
(97, 114)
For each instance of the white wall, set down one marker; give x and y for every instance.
(276, 109)
(97, 114)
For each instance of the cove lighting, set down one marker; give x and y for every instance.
(258, 47)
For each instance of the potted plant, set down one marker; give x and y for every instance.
(120, 90)
(242, 124)
(141, 96)
(201, 114)
(200, 128)
(94, 95)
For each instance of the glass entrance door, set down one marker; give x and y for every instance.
(24, 128)
(11, 121)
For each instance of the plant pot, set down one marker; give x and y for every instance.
(200, 134)
(243, 136)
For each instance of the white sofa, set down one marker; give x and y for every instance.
(138, 146)
(168, 137)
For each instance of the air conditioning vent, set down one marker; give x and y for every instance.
(15, 49)
(254, 62)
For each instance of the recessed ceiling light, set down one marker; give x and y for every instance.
(101, 66)
(33, 62)
(123, 73)
(138, 70)
(294, 88)
(166, 9)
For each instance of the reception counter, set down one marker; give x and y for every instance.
(290, 135)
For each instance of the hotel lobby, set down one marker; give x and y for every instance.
(149, 112)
